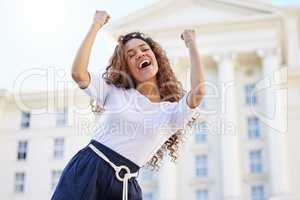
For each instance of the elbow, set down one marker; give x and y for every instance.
(199, 91)
(78, 76)
(197, 95)
(75, 76)
(81, 78)
(202, 92)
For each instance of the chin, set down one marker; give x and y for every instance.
(141, 77)
(147, 77)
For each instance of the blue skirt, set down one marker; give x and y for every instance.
(89, 177)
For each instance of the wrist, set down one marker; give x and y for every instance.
(192, 46)
(96, 27)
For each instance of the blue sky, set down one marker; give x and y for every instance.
(286, 2)
(43, 33)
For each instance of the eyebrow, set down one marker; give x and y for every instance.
(138, 46)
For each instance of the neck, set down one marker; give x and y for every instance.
(149, 89)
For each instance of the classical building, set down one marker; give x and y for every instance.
(245, 147)
(37, 138)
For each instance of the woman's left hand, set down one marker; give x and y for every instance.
(189, 37)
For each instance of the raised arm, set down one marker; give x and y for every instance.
(197, 91)
(79, 70)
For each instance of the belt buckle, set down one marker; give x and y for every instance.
(119, 169)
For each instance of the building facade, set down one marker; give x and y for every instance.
(250, 51)
(245, 147)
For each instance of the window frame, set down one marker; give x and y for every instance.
(62, 117)
(201, 133)
(25, 119)
(19, 182)
(59, 148)
(257, 195)
(202, 192)
(256, 161)
(201, 162)
(253, 127)
(22, 150)
(250, 97)
(55, 176)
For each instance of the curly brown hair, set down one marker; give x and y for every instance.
(170, 89)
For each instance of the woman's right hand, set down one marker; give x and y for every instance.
(101, 17)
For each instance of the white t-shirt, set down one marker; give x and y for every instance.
(131, 124)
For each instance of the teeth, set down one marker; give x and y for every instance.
(145, 61)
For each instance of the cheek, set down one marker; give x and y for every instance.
(131, 66)
(155, 63)
(154, 58)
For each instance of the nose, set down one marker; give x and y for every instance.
(139, 54)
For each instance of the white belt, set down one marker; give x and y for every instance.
(117, 169)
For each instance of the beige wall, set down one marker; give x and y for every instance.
(293, 134)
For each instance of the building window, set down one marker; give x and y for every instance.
(62, 117)
(201, 133)
(55, 178)
(22, 150)
(257, 192)
(250, 95)
(148, 196)
(201, 166)
(203, 104)
(202, 194)
(25, 119)
(19, 182)
(147, 175)
(253, 128)
(256, 165)
(59, 144)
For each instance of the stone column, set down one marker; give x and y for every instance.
(292, 39)
(275, 120)
(4, 100)
(181, 68)
(167, 181)
(230, 153)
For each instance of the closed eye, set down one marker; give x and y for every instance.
(131, 55)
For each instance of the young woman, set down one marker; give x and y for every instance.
(145, 111)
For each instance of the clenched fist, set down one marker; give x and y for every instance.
(189, 37)
(101, 17)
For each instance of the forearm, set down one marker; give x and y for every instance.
(197, 72)
(81, 61)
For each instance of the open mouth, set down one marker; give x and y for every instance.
(144, 64)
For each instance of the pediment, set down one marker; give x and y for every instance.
(174, 13)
